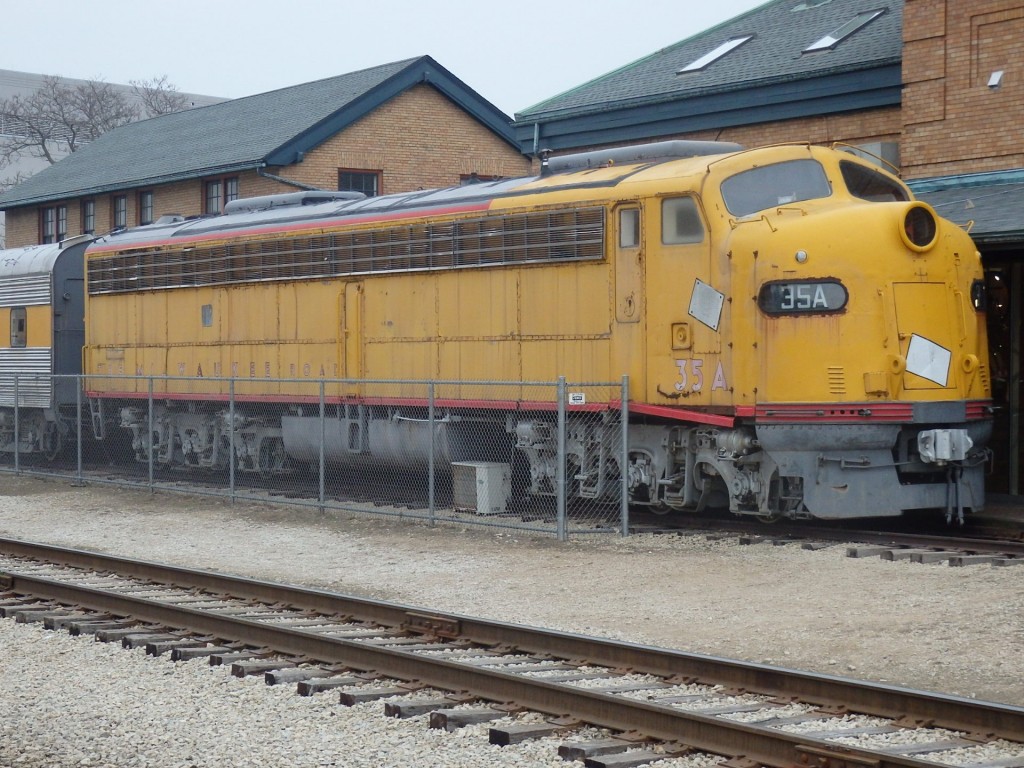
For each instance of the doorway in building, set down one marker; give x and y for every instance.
(1003, 278)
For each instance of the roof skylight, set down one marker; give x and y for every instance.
(715, 54)
(842, 32)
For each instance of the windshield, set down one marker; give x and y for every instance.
(868, 184)
(774, 185)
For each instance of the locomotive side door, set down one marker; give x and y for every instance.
(686, 307)
(630, 305)
(350, 334)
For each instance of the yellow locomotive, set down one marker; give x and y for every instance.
(801, 337)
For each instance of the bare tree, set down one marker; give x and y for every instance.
(61, 117)
(159, 97)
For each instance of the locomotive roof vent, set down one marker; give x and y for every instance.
(657, 152)
(308, 197)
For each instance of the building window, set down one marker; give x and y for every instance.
(219, 192)
(19, 329)
(53, 224)
(211, 198)
(354, 180)
(47, 225)
(119, 212)
(62, 222)
(145, 208)
(88, 217)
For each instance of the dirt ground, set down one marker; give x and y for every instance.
(955, 630)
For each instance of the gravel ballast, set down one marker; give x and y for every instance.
(70, 701)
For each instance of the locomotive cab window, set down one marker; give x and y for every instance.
(680, 221)
(772, 186)
(629, 227)
(871, 185)
(19, 327)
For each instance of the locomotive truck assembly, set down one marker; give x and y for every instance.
(802, 338)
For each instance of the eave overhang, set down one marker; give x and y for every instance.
(751, 104)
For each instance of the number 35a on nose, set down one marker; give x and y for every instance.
(691, 376)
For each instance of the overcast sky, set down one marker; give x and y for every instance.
(514, 54)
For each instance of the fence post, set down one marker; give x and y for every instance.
(17, 425)
(231, 440)
(149, 431)
(323, 450)
(80, 383)
(430, 461)
(624, 460)
(560, 524)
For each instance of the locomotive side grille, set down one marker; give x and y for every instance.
(837, 380)
(34, 370)
(519, 238)
(25, 290)
(984, 374)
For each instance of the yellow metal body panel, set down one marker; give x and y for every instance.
(38, 326)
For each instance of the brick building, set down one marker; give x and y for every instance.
(401, 126)
(963, 112)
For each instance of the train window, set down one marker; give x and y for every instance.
(869, 184)
(629, 227)
(771, 186)
(680, 221)
(19, 328)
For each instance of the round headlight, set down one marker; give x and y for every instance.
(919, 228)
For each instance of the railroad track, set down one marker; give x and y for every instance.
(996, 545)
(458, 670)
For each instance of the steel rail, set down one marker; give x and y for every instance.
(718, 735)
(1010, 545)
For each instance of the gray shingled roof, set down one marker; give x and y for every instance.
(782, 29)
(272, 128)
(992, 203)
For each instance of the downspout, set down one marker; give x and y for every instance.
(289, 182)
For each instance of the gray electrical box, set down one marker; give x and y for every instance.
(481, 486)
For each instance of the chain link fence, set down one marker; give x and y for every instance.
(538, 456)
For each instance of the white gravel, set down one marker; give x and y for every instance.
(71, 701)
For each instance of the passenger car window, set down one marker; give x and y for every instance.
(868, 184)
(680, 221)
(19, 331)
(775, 185)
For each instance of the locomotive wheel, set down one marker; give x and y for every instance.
(271, 458)
(53, 441)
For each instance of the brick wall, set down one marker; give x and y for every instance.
(419, 139)
(954, 123)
